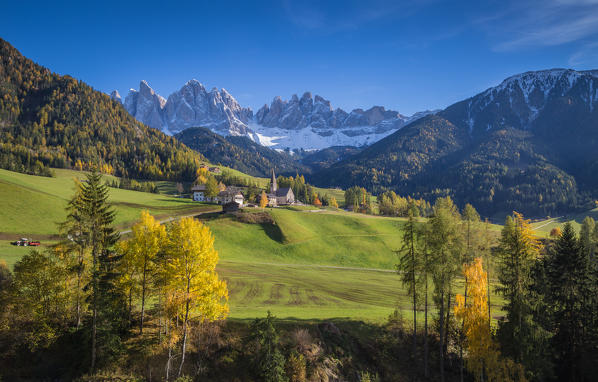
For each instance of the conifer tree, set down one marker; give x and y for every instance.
(96, 218)
(516, 255)
(446, 247)
(76, 243)
(569, 286)
(269, 361)
(410, 265)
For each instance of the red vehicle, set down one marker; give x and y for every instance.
(24, 242)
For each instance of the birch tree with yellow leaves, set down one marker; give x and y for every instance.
(148, 237)
(191, 284)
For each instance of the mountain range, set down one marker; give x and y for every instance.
(529, 144)
(299, 123)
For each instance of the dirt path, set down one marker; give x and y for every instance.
(547, 223)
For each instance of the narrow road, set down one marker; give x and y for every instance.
(547, 223)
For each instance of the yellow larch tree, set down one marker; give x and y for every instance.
(484, 360)
(333, 202)
(201, 175)
(317, 202)
(263, 200)
(474, 313)
(191, 279)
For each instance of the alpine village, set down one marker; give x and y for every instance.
(190, 238)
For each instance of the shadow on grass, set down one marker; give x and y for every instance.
(273, 232)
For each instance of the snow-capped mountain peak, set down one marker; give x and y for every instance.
(309, 122)
(115, 96)
(520, 99)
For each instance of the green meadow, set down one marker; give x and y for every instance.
(33, 205)
(306, 263)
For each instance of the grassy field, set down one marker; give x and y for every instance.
(311, 237)
(33, 205)
(310, 264)
(544, 227)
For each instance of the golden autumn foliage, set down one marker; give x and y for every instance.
(191, 286)
(263, 200)
(475, 318)
(332, 202)
(140, 252)
(317, 202)
(191, 268)
(484, 360)
(526, 234)
(201, 175)
(556, 232)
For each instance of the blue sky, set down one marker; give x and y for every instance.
(404, 55)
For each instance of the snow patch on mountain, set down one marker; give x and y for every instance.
(115, 96)
(299, 123)
(519, 99)
(315, 139)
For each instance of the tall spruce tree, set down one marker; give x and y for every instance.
(517, 253)
(569, 285)
(96, 218)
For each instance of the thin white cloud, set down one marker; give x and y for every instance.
(321, 16)
(587, 55)
(519, 25)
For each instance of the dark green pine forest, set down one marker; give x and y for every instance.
(240, 153)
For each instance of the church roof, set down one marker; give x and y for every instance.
(283, 191)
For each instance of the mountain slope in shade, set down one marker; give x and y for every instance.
(58, 121)
(529, 144)
(240, 153)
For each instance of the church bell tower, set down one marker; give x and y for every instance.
(273, 185)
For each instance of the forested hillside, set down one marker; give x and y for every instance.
(49, 120)
(240, 153)
(529, 144)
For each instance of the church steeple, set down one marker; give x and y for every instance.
(273, 185)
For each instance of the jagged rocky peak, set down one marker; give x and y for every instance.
(146, 106)
(190, 106)
(115, 96)
(307, 122)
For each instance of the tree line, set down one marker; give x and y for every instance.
(550, 292)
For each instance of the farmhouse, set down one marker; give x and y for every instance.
(279, 196)
(199, 192)
(227, 195)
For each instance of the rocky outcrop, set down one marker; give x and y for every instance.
(191, 106)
